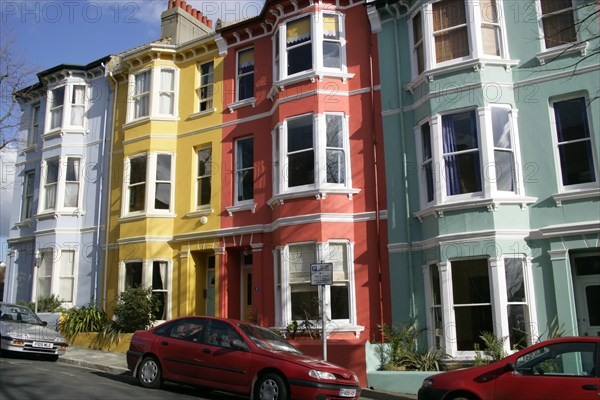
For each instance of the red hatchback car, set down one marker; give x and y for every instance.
(557, 369)
(234, 356)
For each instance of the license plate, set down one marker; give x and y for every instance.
(43, 345)
(347, 392)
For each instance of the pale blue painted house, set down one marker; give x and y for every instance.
(492, 134)
(58, 209)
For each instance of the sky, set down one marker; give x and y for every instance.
(53, 32)
(47, 33)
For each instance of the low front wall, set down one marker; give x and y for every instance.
(407, 382)
(90, 340)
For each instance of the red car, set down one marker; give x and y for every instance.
(234, 356)
(563, 368)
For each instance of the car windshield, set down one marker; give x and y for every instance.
(20, 314)
(267, 339)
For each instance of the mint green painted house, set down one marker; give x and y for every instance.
(492, 135)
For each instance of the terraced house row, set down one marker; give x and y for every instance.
(443, 155)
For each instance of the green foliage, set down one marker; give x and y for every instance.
(311, 325)
(45, 304)
(136, 309)
(493, 351)
(399, 352)
(82, 319)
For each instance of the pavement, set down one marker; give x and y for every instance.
(116, 363)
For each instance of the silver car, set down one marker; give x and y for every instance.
(23, 331)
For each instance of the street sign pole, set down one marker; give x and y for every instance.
(323, 329)
(321, 275)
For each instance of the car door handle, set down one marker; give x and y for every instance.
(590, 387)
(207, 351)
(164, 343)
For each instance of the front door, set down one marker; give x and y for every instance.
(246, 311)
(587, 293)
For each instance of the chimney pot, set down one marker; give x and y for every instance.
(183, 4)
(170, 5)
(209, 23)
(188, 8)
(194, 13)
(177, 3)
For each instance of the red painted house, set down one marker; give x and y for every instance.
(302, 142)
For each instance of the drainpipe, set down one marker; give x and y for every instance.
(377, 219)
(412, 309)
(108, 191)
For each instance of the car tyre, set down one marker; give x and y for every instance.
(462, 396)
(149, 373)
(271, 387)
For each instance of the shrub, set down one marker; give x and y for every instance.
(399, 352)
(82, 319)
(136, 309)
(44, 304)
(493, 351)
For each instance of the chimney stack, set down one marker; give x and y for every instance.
(182, 22)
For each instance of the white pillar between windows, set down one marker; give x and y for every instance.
(449, 323)
(430, 320)
(499, 301)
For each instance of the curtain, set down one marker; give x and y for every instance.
(77, 105)
(451, 161)
(298, 31)
(142, 89)
(167, 94)
(72, 183)
(331, 27)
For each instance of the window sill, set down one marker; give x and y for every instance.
(46, 215)
(318, 194)
(491, 204)
(143, 120)
(202, 212)
(477, 64)
(202, 113)
(311, 76)
(356, 329)
(251, 101)
(23, 224)
(30, 148)
(242, 207)
(146, 215)
(575, 195)
(559, 51)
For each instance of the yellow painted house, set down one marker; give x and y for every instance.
(165, 181)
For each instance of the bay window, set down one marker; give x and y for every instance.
(205, 91)
(56, 99)
(27, 202)
(153, 94)
(56, 275)
(448, 32)
(244, 170)
(50, 184)
(245, 74)
(468, 154)
(296, 299)
(558, 22)
(314, 153)
(154, 274)
(311, 44)
(574, 140)
(72, 178)
(470, 296)
(148, 184)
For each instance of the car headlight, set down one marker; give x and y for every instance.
(428, 382)
(321, 374)
(355, 378)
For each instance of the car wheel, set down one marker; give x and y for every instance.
(271, 387)
(462, 396)
(149, 373)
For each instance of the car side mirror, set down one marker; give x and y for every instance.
(510, 367)
(239, 345)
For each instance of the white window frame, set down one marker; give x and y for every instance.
(56, 274)
(147, 271)
(541, 17)
(150, 182)
(154, 92)
(474, 23)
(28, 191)
(319, 129)
(34, 129)
(198, 178)
(239, 172)
(239, 76)
(209, 99)
(280, 73)
(53, 107)
(498, 299)
(283, 306)
(485, 138)
(166, 92)
(44, 186)
(554, 130)
(74, 105)
(79, 181)
(66, 123)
